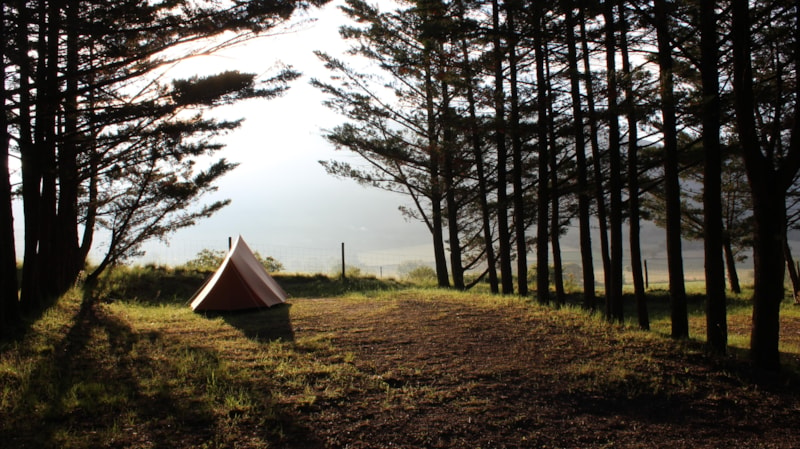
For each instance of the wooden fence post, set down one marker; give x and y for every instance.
(343, 265)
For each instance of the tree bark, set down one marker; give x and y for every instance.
(67, 245)
(503, 232)
(46, 140)
(453, 226)
(597, 165)
(440, 258)
(768, 186)
(555, 198)
(716, 311)
(477, 150)
(587, 264)
(614, 310)
(634, 238)
(543, 194)
(792, 269)
(9, 299)
(516, 151)
(31, 172)
(677, 289)
(730, 262)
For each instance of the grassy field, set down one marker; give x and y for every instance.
(376, 364)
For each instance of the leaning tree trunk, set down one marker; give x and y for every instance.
(483, 189)
(597, 165)
(730, 263)
(792, 269)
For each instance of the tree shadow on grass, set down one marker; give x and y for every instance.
(91, 391)
(106, 383)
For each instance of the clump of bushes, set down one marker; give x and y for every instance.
(419, 273)
(210, 259)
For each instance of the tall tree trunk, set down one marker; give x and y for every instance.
(768, 188)
(614, 310)
(90, 147)
(437, 220)
(634, 236)
(597, 165)
(67, 244)
(453, 226)
(716, 311)
(46, 140)
(477, 150)
(555, 199)
(516, 149)
(543, 194)
(31, 173)
(440, 256)
(587, 264)
(677, 289)
(730, 262)
(9, 299)
(504, 234)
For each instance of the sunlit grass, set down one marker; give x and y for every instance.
(141, 359)
(136, 362)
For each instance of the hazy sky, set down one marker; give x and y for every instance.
(281, 196)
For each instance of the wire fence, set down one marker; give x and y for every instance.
(397, 262)
(304, 260)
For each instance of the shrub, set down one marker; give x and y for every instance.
(417, 272)
(210, 259)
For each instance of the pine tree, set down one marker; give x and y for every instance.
(96, 125)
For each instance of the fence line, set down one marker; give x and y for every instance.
(299, 259)
(393, 262)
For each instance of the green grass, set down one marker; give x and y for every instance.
(134, 364)
(140, 362)
(166, 285)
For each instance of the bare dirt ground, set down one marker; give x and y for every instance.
(460, 375)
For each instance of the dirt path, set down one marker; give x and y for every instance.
(463, 375)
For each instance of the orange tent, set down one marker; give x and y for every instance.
(240, 282)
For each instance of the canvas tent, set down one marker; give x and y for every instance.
(240, 282)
